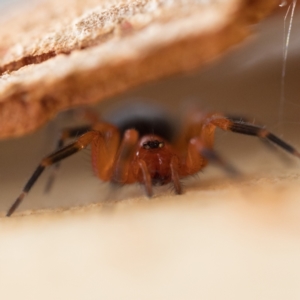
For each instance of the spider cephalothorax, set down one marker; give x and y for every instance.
(148, 149)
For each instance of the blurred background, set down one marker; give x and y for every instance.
(6, 3)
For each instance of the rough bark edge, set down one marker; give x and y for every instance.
(19, 116)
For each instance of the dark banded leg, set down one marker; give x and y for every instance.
(65, 135)
(250, 129)
(267, 143)
(81, 143)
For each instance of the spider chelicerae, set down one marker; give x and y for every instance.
(148, 147)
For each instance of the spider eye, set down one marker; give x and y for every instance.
(153, 145)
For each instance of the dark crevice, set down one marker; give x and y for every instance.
(27, 60)
(37, 59)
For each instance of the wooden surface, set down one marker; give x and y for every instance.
(222, 239)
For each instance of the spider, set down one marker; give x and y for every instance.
(143, 146)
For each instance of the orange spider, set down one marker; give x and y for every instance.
(145, 148)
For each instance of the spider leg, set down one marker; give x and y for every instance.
(267, 143)
(249, 129)
(121, 172)
(104, 150)
(65, 135)
(146, 177)
(81, 143)
(175, 174)
(202, 124)
(85, 114)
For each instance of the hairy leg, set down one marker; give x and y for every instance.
(81, 143)
(175, 174)
(104, 150)
(122, 172)
(239, 126)
(146, 177)
(65, 135)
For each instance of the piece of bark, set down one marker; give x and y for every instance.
(79, 52)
